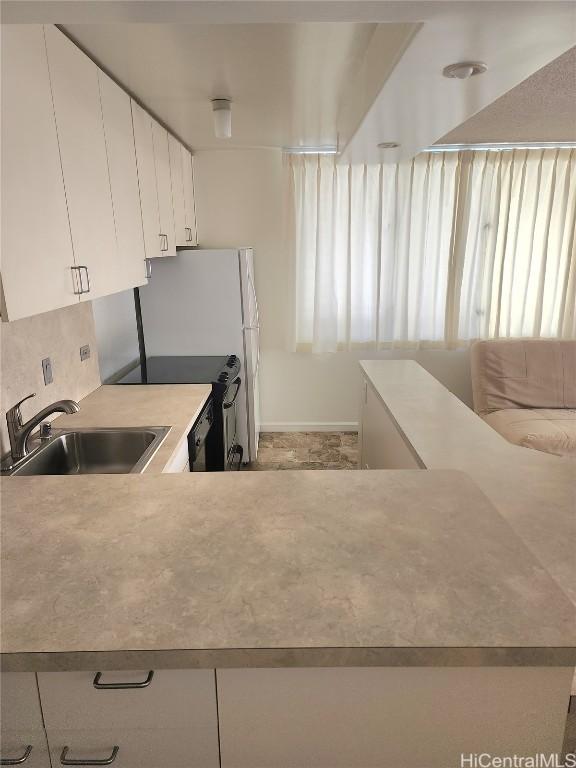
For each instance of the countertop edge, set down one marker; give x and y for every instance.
(288, 657)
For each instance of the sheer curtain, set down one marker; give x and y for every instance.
(434, 252)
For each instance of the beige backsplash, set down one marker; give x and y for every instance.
(59, 336)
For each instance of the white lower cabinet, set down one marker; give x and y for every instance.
(27, 748)
(146, 748)
(410, 717)
(382, 444)
(22, 732)
(164, 719)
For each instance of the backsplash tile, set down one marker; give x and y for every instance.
(59, 336)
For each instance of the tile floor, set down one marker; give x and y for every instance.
(307, 450)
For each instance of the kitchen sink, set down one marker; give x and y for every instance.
(93, 451)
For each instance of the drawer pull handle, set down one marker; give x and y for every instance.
(105, 761)
(17, 760)
(121, 686)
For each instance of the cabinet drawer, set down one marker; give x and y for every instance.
(173, 699)
(154, 748)
(20, 704)
(14, 744)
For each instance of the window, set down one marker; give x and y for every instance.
(435, 252)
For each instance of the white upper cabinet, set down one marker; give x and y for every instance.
(76, 93)
(119, 135)
(177, 176)
(189, 201)
(182, 193)
(36, 244)
(164, 186)
(142, 122)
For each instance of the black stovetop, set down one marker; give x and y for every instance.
(195, 369)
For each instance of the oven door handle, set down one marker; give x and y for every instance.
(230, 403)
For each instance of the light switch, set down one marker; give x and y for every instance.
(47, 370)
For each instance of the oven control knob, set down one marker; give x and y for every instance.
(198, 441)
(231, 361)
(223, 377)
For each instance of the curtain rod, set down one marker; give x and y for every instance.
(487, 147)
(498, 147)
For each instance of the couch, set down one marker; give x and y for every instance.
(526, 390)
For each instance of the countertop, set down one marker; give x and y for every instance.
(270, 569)
(156, 405)
(534, 491)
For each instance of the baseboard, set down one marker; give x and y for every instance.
(310, 426)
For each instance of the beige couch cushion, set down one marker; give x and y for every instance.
(523, 373)
(544, 429)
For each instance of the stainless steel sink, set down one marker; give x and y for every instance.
(93, 451)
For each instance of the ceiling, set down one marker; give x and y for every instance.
(541, 108)
(285, 80)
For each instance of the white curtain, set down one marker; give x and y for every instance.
(435, 252)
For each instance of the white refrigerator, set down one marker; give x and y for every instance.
(203, 302)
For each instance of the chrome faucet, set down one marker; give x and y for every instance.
(19, 433)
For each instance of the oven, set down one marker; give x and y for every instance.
(197, 439)
(232, 450)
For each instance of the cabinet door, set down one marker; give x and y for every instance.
(189, 200)
(405, 717)
(36, 244)
(77, 107)
(22, 729)
(142, 123)
(164, 184)
(15, 745)
(382, 446)
(119, 135)
(177, 176)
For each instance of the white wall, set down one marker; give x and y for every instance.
(59, 336)
(241, 200)
(115, 322)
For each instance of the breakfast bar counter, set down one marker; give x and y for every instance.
(259, 569)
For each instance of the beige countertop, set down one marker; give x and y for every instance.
(156, 405)
(270, 569)
(534, 491)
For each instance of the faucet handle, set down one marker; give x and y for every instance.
(15, 410)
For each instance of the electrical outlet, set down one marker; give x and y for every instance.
(85, 352)
(47, 370)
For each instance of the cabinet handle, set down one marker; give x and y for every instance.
(148, 267)
(77, 283)
(121, 686)
(87, 279)
(105, 761)
(17, 760)
(189, 230)
(164, 242)
(80, 282)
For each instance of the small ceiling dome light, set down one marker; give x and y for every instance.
(222, 111)
(388, 145)
(464, 69)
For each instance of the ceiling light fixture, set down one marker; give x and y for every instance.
(388, 145)
(464, 69)
(222, 113)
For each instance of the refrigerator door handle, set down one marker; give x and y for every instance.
(251, 284)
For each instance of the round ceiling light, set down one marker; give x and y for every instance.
(464, 69)
(388, 145)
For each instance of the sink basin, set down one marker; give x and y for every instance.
(94, 451)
